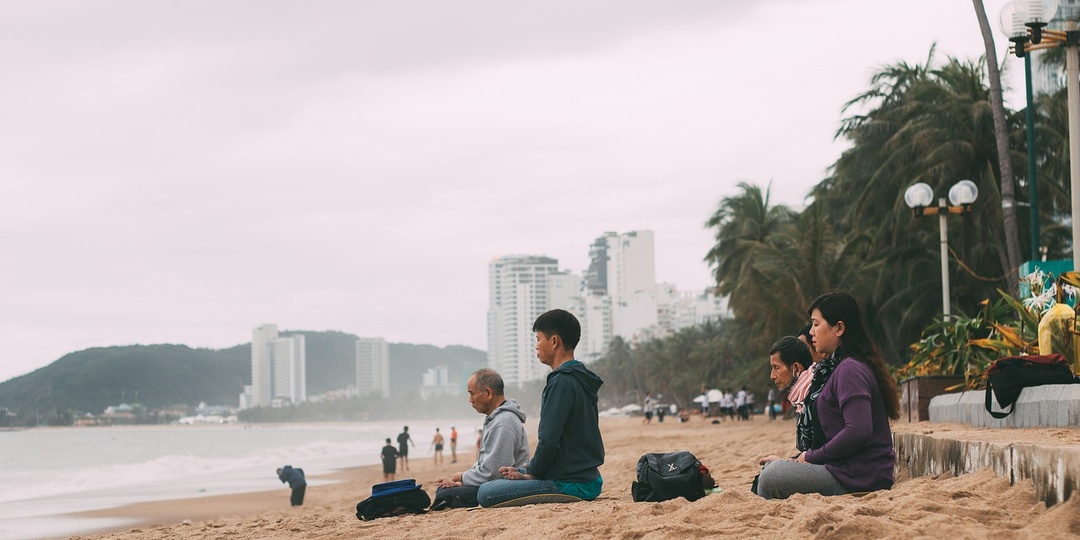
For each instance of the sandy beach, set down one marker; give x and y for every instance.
(976, 505)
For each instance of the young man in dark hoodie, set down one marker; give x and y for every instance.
(570, 449)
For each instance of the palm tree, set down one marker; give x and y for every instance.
(743, 222)
(1001, 138)
(931, 124)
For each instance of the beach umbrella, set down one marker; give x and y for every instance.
(613, 410)
(699, 399)
(631, 407)
(715, 395)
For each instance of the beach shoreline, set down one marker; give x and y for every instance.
(966, 506)
(195, 509)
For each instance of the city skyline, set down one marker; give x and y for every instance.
(617, 296)
(181, 172)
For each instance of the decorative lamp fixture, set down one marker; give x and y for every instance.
(963, 193)
(1039, 14)
(1013, 19)
(919, 196)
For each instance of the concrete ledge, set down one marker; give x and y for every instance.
(1051, 405)
(1053, 470)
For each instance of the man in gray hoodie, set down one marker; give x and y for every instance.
(504, 442)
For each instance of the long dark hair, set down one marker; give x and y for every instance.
(836, 306)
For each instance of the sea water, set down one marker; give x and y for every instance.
(49, 473)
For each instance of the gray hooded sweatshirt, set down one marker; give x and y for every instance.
(504, 444)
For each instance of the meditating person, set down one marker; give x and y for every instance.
(789, 357)
(843, 434)
(797, 393)
(569, 449)
(504, 442)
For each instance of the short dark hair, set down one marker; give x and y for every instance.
(489, 378)
(792, 351)
(805, 332)
(562, 323)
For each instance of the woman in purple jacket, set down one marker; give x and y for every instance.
(844, 431)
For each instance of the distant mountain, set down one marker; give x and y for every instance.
(155, 375)
(164, 375)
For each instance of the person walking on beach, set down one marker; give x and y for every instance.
(437, 444)
(740, 404)
(453, 444)
(570, 449)
(389, 461)
(504, 442)
(297, 482)
(729, 404)
(770, 402)
(404, 440)
(648, 410)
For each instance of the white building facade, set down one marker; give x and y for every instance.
(617, 297)
(373, 367)
(278, 369)
(289, 356)
(517, 295)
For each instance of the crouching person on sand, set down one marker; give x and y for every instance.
(295, 479)
(504, 442)
(570, 449)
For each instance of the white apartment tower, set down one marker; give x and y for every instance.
(262, 390)
(622, 273)
(290, 363)
(373, 367)
(278, 367)
(517, 295)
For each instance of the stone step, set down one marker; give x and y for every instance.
(1051, 405)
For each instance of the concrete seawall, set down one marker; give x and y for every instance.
(1053, 470)
(1008, 446)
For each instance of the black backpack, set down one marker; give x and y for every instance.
(661, 477)
(393, 499)
(1008, 376)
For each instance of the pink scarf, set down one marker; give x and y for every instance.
(798, 391)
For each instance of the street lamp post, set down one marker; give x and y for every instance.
(1034, 16)
(962, 195)
(1013, 24)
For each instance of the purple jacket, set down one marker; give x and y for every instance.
(859, 448)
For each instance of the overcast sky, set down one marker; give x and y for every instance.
(182, 172)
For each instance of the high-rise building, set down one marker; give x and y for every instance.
(623, 268)
(595, 326)
(262, 389)
(517, 295)
(1048, 76)
(289, 366)
(278, 368)
(373, 367)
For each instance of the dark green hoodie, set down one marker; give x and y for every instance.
(569, 448)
